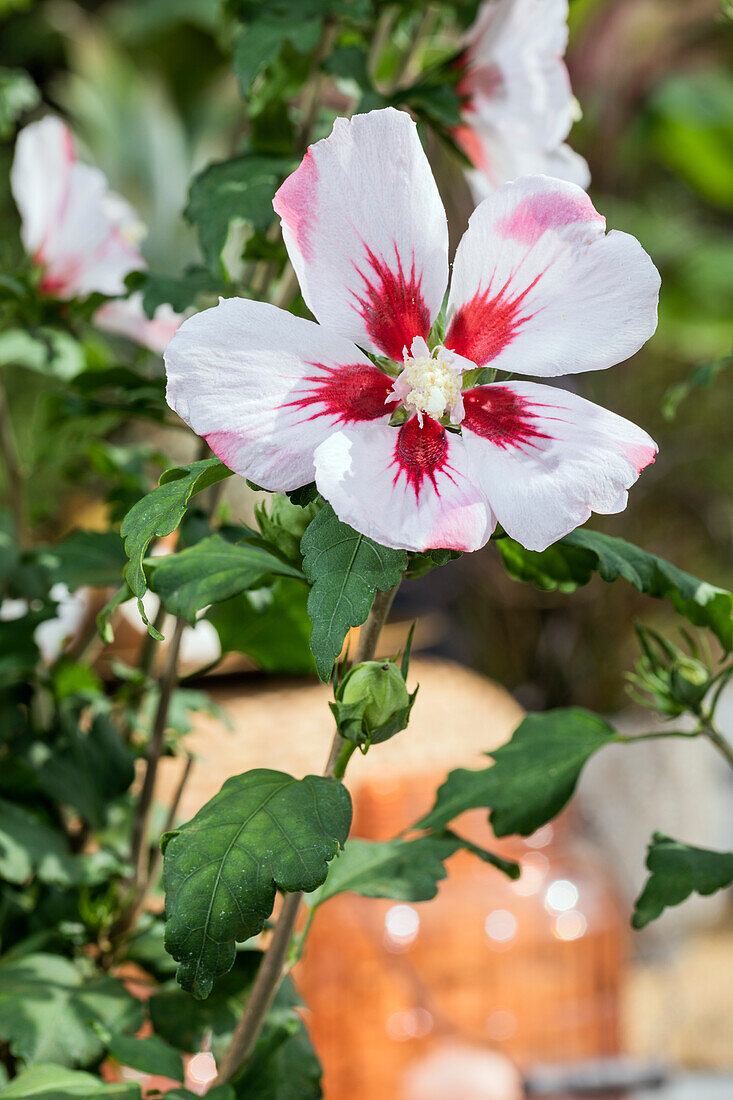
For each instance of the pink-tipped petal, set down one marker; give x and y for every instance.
(126, 317)
(546, 458)
(405, 487)
(264, 388)
(539, 287)
(83, 236)
(367, 233)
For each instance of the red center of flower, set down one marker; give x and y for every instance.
(485, 325)
(350, 393)
(503, 417)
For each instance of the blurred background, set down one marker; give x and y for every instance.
(545, 969)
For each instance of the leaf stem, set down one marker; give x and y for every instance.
(721, 743)
(274, 963)
(14, 468)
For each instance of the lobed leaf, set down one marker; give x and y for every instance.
(54, 1082)
(345, 569)
(159, 514)
(62, 1002)
(573, 560)
(263, 831)
(151, 1055)
(678, 870)
(533, 775)
(213, 570)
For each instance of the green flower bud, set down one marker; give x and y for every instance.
(372, 703)
(689, 681)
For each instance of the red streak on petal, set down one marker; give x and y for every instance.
(538, 213)
(392, 305)
(420, 453)
(351, 393)
(502, 416)
(485, 326)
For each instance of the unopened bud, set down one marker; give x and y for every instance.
(372, 702)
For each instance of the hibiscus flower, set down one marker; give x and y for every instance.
(406, 447)
(83, 236)
(518, 105)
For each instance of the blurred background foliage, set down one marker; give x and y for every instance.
(149, 89)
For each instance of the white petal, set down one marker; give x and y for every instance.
(515, 68)
(126, 317)
(264, 388)
(539, 288)
(546, 458)
(502, 155)
(83, 235)
(367, 233)
(404, 487)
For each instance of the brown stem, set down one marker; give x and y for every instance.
(15, 473)
(273, 964)
(168, 682)
(312, 94)
(721, 744)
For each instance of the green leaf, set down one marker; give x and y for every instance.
(54, 1082)
(28, 846)
(189, 1023)
(678, 870)
(151, 1055)
(345, 569)
(233, 191)
(160, 512)
(283, 1064)
(533, 775)
(213, 570)
(219, 1092)
(87, 769)
(264, 830)
(94, 558)
(18, 94)
(405, 870)
(260, 42)
(179, 292)
(61, 1003)
(573, 560)
(44, 350)
(270, 625)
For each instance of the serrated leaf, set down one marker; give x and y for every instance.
(95, 558)
(678, 870)
(54, 1082)
(260, 42)
(61, 1004)
(533, 775)
(405, 870)
(160, 512)
(213, 570)
(573, 560)
(345, 569)
(264, 830)
(238, 190)
(151, 1055)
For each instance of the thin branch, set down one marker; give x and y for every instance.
(721, 743)
(141, 824)
(273, 964)
(14, 468)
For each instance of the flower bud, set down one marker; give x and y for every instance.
(689, 681)
(372, 703)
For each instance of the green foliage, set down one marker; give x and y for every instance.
(160, 512)
(213, 569)
(151, 1055)
(49, 1007)
(94, 558)
(678, 870)
(405, 870)
(30, 846)
(237, 191)
(270, 625)
(54, 1082)
(283, 1065)
(284, 523)
(18, 94)
(264, 830)
(533, 776)
(179, 292)
(345, 569)
(573, 560)
(45, 350)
